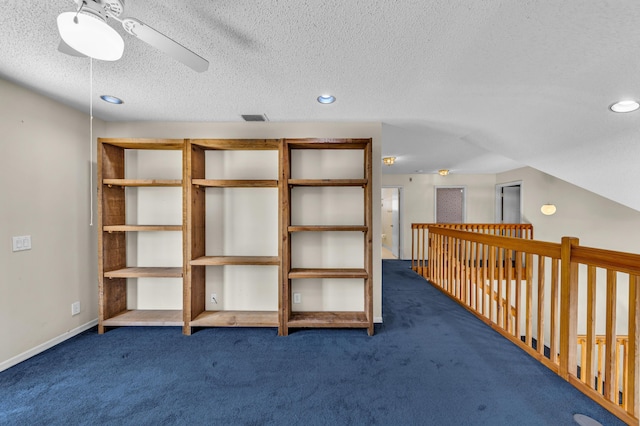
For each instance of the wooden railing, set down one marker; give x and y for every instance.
(420, 232)
(537, 294)
(595, 375)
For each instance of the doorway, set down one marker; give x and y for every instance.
(391, 223)
(450, 204)
(509, 202)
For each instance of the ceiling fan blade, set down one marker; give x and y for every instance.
(68, 50)
(164, 43)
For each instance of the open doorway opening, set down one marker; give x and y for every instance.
(509, 202)
(391, 223)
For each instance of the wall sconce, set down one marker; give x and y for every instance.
(443, 172)
(389, 160)
(548, 209)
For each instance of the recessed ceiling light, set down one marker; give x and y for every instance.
(625, 106)
(326, 99)
(443, 172)
(112, 99)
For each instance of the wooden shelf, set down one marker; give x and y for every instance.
(328, 143)
(142, 228)
(143, 182)
(236, 260)
(238, 144)
(229, 183)
(145, 272)
(328, 320)
(302, 273)
(325, 228)
(236, 319)
(327, 182)
(154, 144)
(145, 318)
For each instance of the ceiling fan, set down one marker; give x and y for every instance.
(85, 32)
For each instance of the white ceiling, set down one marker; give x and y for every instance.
(473, 86)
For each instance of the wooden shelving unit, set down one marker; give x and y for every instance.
(114, 231)
(326, 319)
(195, 313)
(112, 237)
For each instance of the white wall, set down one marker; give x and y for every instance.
(595, 220)
(387, 217)
(418, 197)
(44, 170)
(346, 295)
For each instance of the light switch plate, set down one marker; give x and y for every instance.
(21, 243)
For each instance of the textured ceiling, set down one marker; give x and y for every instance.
(473, 86)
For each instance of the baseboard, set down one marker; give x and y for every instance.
(377, 320)
(46, 345)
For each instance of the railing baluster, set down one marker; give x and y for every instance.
(610, 343)
(583, 355)
(528, 266)
(541, 290)
(599, 378)
(508, 275)
(460, 272)
(485, 267)
(587, 369)
(500, 305)
(616, 376)
(554, 327)
(452, 267)
(632, 394)
(413, 232)
(492, 276)
(472, 275)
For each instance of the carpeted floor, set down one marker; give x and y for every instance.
(430, 363)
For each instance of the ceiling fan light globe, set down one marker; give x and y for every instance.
(90, 36)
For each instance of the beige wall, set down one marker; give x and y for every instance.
(595, 220)
(44, 170)
(418, 195)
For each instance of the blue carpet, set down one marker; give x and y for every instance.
(430, 363)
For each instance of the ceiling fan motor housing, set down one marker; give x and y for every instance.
(102, 8)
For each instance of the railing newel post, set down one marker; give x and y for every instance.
(568, 308)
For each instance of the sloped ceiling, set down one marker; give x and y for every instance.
(472, 86)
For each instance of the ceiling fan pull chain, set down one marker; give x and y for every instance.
(80, 6)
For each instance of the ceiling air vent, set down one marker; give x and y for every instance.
(254, 117)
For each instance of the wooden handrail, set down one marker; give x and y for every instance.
(505, 281)
(419, 235)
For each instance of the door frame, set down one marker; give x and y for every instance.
(498, 208)
(400, 217)
(464, 200)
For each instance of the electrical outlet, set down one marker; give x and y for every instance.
(297, 298)
(75, 308)
(21, 243)
(214, 298)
